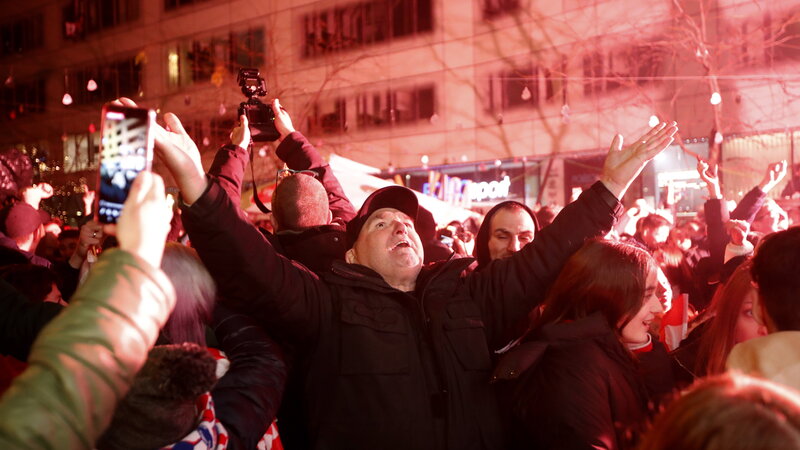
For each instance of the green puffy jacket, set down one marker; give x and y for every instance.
(83, 362)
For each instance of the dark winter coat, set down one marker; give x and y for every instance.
(389, 369)
(21, 321)
(578, 388)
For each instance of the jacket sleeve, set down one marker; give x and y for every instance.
(507, 289)
(84, 361)
(749, 205)
(255, 280)
(21, 321)
(716, 212)
(229, 168)
(247, 397)
(299, 154)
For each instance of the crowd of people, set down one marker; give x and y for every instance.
(190, 327)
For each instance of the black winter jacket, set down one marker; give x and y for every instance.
(579, 388)
(389, 369)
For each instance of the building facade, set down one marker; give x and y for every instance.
(533, 89)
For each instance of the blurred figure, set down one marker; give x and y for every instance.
(435, 249)
(36, 283)
(729, 412)
(652, 231)
(770, 219)
(546, 214)
(22, 228)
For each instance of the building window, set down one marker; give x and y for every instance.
(395, 106)
(21, 35)
(625, 67)
(526, 86)
(207, 133)
(495, 8)
(80, 151)
(169, 5)
(85, 17)
(20, 99)
(328, 117)
(197, 61)
(119, 78)
(364, 23)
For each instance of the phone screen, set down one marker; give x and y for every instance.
(126, 149)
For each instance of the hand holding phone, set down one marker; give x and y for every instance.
(126, 150)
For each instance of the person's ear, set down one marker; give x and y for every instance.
(350, 256)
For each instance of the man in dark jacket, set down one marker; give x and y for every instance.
(316, 243)
(507, 227)
(398, 356)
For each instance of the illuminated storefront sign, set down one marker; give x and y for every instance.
(463, 192)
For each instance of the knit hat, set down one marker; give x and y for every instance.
(160, 407)
(22, 219)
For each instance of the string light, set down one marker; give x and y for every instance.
(66, 100)
(91, 86)
(715, 99)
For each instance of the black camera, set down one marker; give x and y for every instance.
(260, 116)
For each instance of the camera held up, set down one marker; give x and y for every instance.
(260, 115)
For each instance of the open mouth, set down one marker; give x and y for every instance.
(401, 244)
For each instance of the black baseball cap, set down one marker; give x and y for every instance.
(396, 197)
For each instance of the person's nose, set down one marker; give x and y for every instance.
(513, 244)
(656, 307)
(400, 227)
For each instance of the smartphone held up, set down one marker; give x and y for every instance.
(126, 149)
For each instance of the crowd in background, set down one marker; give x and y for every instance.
(583, 326)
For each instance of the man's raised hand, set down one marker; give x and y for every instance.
(623, 165)
(179, 153)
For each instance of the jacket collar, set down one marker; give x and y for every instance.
(357, 275)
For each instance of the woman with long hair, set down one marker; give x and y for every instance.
(730, 320)
(580, 383)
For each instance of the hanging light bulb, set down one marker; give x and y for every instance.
(718, 138)
(715, 99)
(66, 100)
(222, 109)
(424, 160)
(497, 163)
(91, 86)
(526, 93)
(653, 121)
(464, 158)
